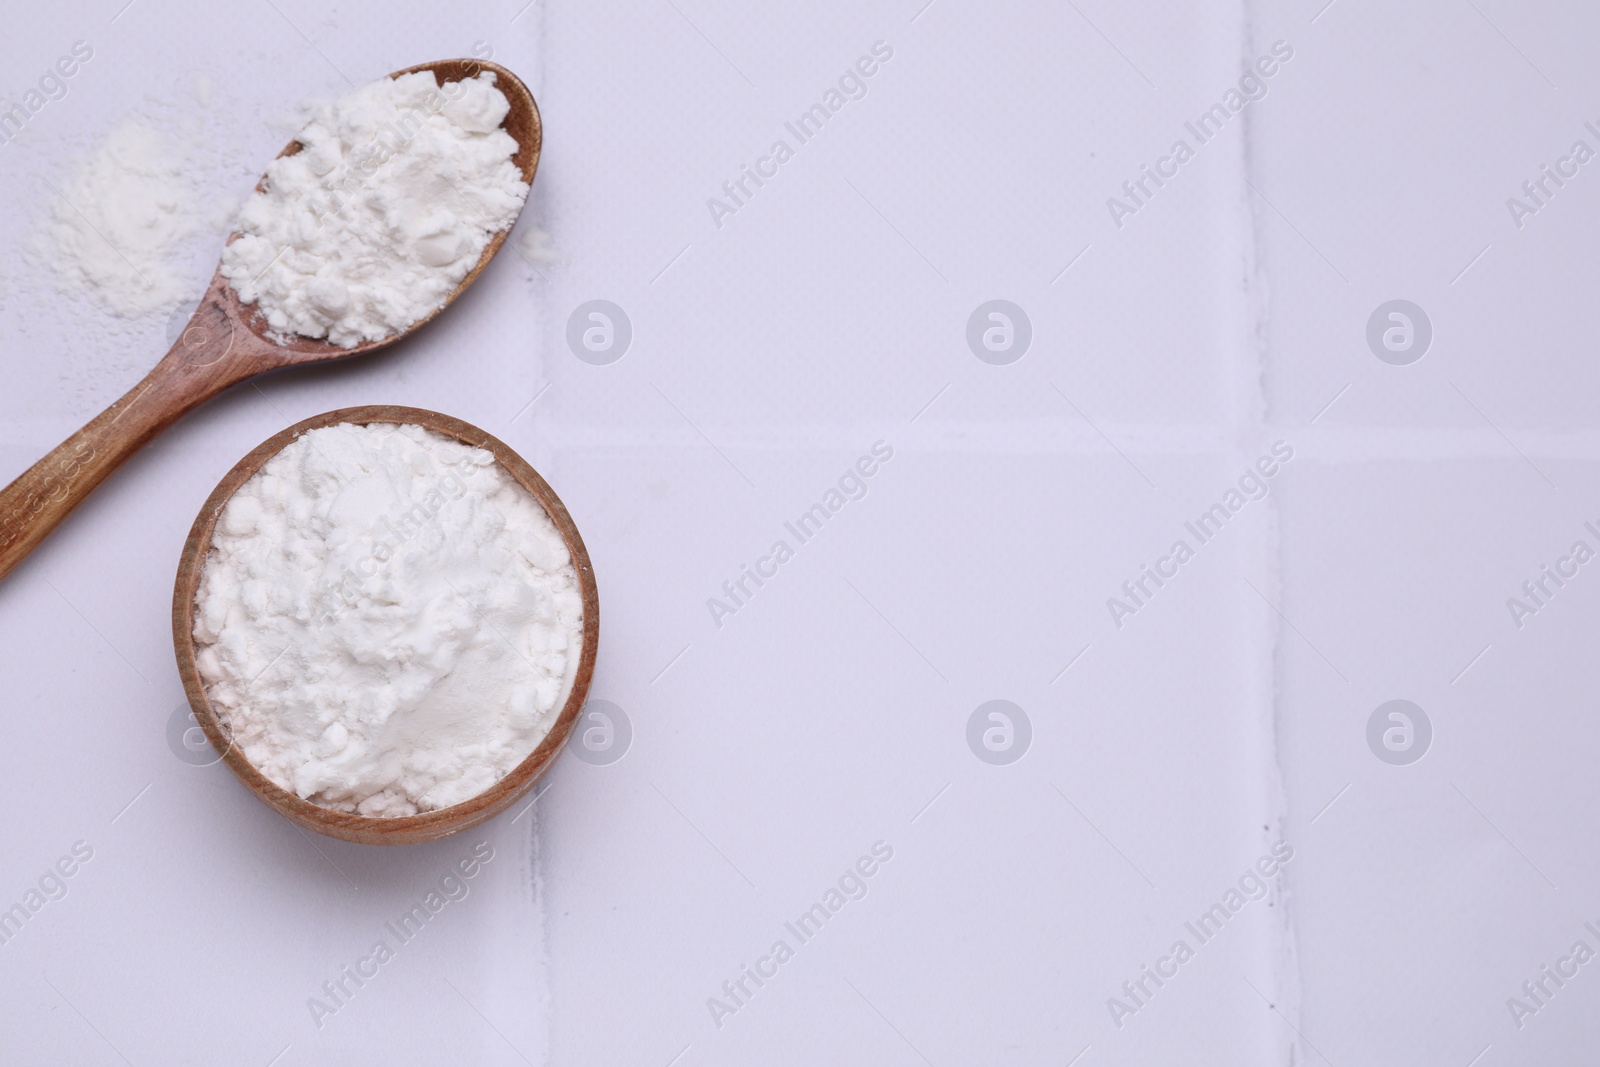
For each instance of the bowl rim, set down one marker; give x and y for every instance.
(348, 826)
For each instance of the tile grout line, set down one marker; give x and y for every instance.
(1255, 360)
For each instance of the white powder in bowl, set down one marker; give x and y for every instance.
(387, 622)
(398, 188)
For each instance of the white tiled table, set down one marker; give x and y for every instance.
(829, 713)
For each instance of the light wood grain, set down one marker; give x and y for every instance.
(224, 344)
(408, 829)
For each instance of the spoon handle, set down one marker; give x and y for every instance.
(46, 493)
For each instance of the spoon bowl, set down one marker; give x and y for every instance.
(224, 343)
(405, 829)
(521, 122)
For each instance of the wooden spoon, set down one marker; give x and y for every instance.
(225, 343)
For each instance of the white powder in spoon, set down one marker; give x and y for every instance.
(387, 622)
(376, 220)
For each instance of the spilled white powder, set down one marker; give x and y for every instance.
(387, 622)
(117, 221)
(537, 246)
(126, 225)
(375, 221)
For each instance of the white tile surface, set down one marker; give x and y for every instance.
(769, 753)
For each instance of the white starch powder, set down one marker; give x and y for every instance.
(376, 220)
(387, 622)
(126, 223)
(113, 227)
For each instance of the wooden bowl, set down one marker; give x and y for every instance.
(366, 829)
